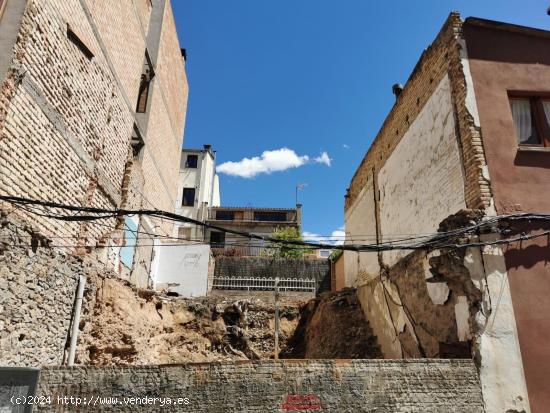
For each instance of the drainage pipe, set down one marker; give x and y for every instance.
(76, 320)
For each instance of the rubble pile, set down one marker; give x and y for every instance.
(124, 325)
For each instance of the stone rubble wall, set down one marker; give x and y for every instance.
(277, 386)
(37, 291)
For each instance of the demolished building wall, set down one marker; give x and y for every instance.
(426, 164)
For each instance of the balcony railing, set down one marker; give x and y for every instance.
(264, 284)
(253, 215)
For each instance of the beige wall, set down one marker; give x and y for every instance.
(421, 183)
(360, 225)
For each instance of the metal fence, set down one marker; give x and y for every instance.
(264, 284)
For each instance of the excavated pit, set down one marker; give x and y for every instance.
(124, 325)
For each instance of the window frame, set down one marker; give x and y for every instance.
(196, 157)
(143, 94)
(541, 124)
(183, 196)
(219, 243)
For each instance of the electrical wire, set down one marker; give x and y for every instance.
(441, 240)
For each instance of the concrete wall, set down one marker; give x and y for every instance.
(441, 58)
(183, 269)
(432, 119)
(338, 273)
(420, 184)
(275, 386)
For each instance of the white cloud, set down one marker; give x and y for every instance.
(269, 162)
(335, 238)
(323, 158)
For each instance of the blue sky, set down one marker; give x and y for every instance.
(312, 76)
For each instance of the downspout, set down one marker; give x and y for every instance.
(76, 320)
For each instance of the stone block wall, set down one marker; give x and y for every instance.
(344, 386)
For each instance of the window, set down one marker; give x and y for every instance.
(188, 197)
(147, 76)
(143, 94)
(130, 240)
(531, 117)
(192, 161)
(324, 253)
(217, 239)
(270, 216)
(225, 215)
(72, 36)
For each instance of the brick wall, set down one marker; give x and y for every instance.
(442, 57)
(66, 120)
(275, 386)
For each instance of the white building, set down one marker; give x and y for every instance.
(198, 190)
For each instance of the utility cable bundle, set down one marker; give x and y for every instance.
(439, 240)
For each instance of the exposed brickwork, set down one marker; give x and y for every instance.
(274, 386)
(440, 58)
(66, 121)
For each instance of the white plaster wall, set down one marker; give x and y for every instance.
(422, 181)
(501, 371)
(216, 201)
(183, 269)
(360, 225)
(205, 181)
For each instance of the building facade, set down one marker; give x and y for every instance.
(467, 140)
(259, 221)
(92, 112)
(198, 190)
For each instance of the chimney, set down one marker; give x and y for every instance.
(299, 215)
(397, 89)
(184, 54)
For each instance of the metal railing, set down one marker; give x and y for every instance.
(264, 284)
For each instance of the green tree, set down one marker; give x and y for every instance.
(283, 250)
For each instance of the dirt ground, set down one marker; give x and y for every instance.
(124, 325)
